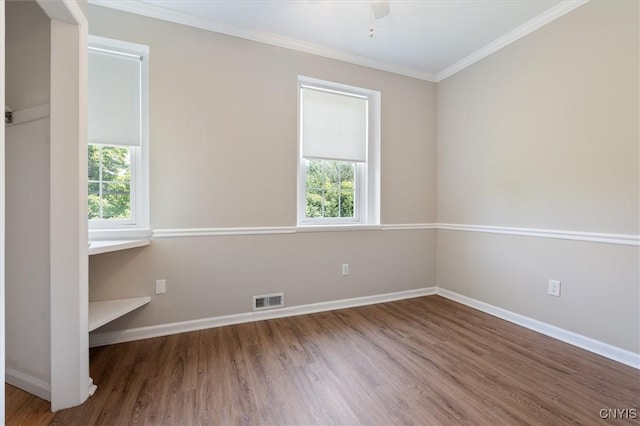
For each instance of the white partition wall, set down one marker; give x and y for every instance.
(49, 340)
(70, 382)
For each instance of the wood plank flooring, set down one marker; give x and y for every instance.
(424, 361)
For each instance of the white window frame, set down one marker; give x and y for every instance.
(367, 174)
(138, 225)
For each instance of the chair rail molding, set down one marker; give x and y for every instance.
(594, 237)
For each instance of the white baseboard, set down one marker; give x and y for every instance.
(606, 350)
(113, 337)
(28, 383)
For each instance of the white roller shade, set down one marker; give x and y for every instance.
(334, 126)
(114, 98)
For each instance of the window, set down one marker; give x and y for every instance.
(338, 180)
(118, 136)
(109, 183)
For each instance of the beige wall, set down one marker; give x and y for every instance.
(27, 55)
(544, 134)
(27, 194)
(223, 127)
(599, 296)
(215, 276)
(223, 154)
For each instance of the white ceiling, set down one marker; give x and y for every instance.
(427, 39)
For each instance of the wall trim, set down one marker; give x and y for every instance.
(157, 12)
(215, 232)
(270, 230)
(408, 226)
(606, 350)
(594, 237)
(539, 21)
(28, 383)
(113, 337)
(119, 234)
(337, 228)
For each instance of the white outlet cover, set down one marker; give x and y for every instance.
(161, 286)
(554, 288)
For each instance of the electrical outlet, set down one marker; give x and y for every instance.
(554, 288)
(345, 269)
(161, 286)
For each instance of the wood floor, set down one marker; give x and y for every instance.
(421, 361)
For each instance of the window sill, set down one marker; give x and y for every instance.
(337, 228)
(107, 246)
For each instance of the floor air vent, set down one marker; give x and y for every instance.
(268, 301)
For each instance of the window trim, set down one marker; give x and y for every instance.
(138, 226)
(368, 172)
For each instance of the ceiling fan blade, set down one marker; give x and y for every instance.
(380, 8)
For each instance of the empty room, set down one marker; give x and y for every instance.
(320, 212)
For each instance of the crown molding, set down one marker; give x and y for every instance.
(539, 21)
(152, 11)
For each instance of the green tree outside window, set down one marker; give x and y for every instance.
(330, 188)
(109, 187)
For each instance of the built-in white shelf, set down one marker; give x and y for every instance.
(106, 246)
(106, 311)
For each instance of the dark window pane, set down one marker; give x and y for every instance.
(109, 190)
(331, 208)
(346, 203)
(314, 203)
(94, 206)
(115, 164)
(94, 188)
(115, 188)
(330, 188)
(94, 162)
(315, 175)
(116, 206)
(332, 172)
(347, 172)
